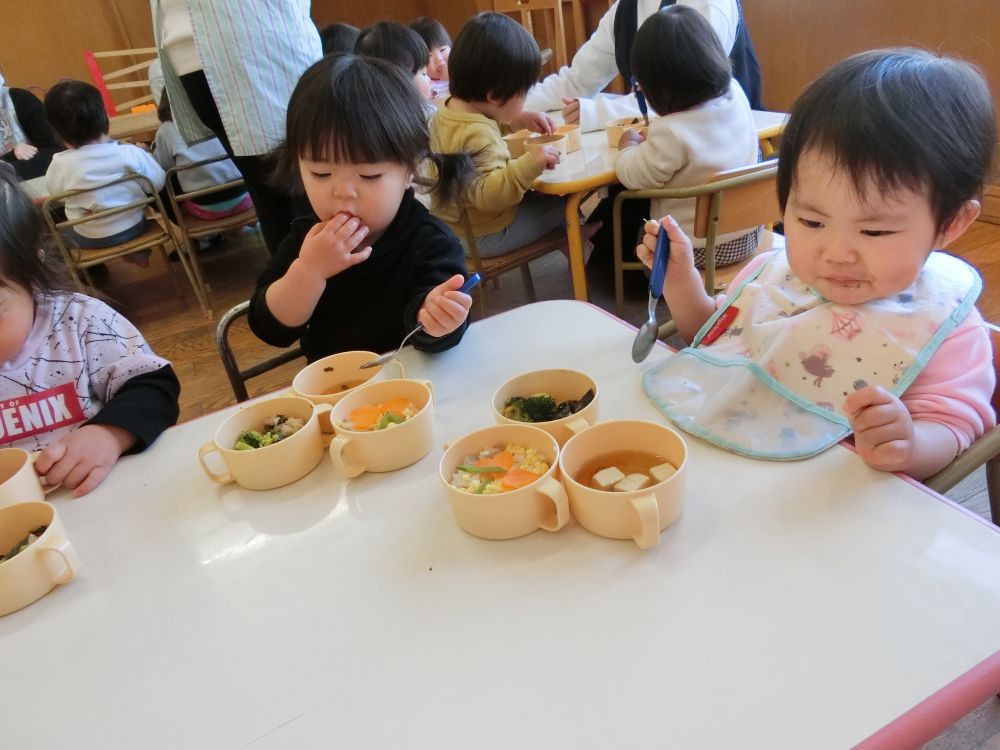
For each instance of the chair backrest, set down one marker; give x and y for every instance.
(526, 7)
(190, 226)
(118, 79)
(739, 198)
(238, 376)
(150, 200)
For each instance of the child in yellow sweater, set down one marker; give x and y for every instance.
(493, 64)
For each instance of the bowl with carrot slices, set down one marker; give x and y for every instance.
(502, 482)
(382, 426)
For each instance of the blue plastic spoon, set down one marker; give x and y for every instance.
(640, 99)
(383, 358)
(646, 336)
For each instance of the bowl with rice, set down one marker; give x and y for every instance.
(502, 482)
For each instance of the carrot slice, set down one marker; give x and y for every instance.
(396, 405)
(365, 417)
(518, 478)
(503, 459)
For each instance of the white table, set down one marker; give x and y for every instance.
(801, 605)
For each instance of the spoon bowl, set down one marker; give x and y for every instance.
(646, 336)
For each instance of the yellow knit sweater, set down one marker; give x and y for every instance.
(502, 182)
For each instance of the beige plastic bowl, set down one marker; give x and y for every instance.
(329, 379)
(539, 142)
(515, 142)
(616, 128)
(561, 385)
(572, 133)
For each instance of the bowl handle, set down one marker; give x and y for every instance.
(211, 447)
(343, 470)
(555, 492)
(397, 363)
(648, 515)
(61, 547)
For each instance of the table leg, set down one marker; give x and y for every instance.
(575, 241)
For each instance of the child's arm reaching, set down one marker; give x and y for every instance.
(887, 438)
(683, 288)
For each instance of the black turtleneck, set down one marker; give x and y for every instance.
(372, 305)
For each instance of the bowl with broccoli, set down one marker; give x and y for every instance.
(561, 402)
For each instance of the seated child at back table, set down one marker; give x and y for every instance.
(493, 64)
(859, 326)
(367, 262)
(388, 40)
(77, 381)
(705, 123)
(438, 43)
(77, 116)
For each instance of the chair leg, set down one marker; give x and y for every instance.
(529, 284)
(170, 269)
(189, 259)
(993, 488)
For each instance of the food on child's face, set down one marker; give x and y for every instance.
(380, 416)
(499, 469)
(22, 545)
(276, 428)
(541, 407)
(332, 390)
(624, 471)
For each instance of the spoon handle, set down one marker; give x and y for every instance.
(640, 99)
(469, 283)
(660, 257)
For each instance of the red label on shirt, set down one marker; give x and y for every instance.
(39, 412)
(720, 325)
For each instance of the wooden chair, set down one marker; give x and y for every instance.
(192, 229)
(238, 376)
(526, 7)
(490, 269)
(733, 200)
(101, 77)
(156, 236)
(986, 450)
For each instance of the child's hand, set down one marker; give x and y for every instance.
(681, 254)
(630, 138)
(546, 157)
(571, 110)
(883, 428)
(537, 122)
(82, 459)
(332, 247)
(445, 308)
(24, 151)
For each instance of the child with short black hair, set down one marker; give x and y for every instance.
(367, 263)
(338, 38)
(438, 43)
(493, 64)
(860, 326)
(705, 124)
(388, 40)
(77, 381)
(76, 113)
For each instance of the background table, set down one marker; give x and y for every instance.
(593, 167)
(799, 605)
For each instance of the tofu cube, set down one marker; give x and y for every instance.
(663, 471)
(632, 482)
(607, 478)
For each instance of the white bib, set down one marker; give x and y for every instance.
(768, 374)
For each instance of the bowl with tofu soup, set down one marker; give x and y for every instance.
(561, 402)
(502, 482)
(267, 444)
(625, 479)
(616, 128)
(35, 555)
(382, 426)
(329, 379)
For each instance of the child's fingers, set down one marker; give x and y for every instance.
(94, 478)
(871, 395)
(358, 256)
(48, 458)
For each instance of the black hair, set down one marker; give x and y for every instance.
(388, 40)
(678, 61)
(363, 110)
(76, 113)
(895, 118)
(432, 31)
(493, 55)
(24, 258)
(338, 37)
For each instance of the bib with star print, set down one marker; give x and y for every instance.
(768, 374)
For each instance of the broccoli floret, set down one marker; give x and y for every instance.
(249, 440)
(389, 418)
(514, 409)
(540, 407)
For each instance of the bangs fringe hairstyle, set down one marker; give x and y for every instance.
(24, 258)
(388, 40)
(678, 60)
(364, 110)
(76, 113)
(896, 118)
(432, 31)
(493, 55)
